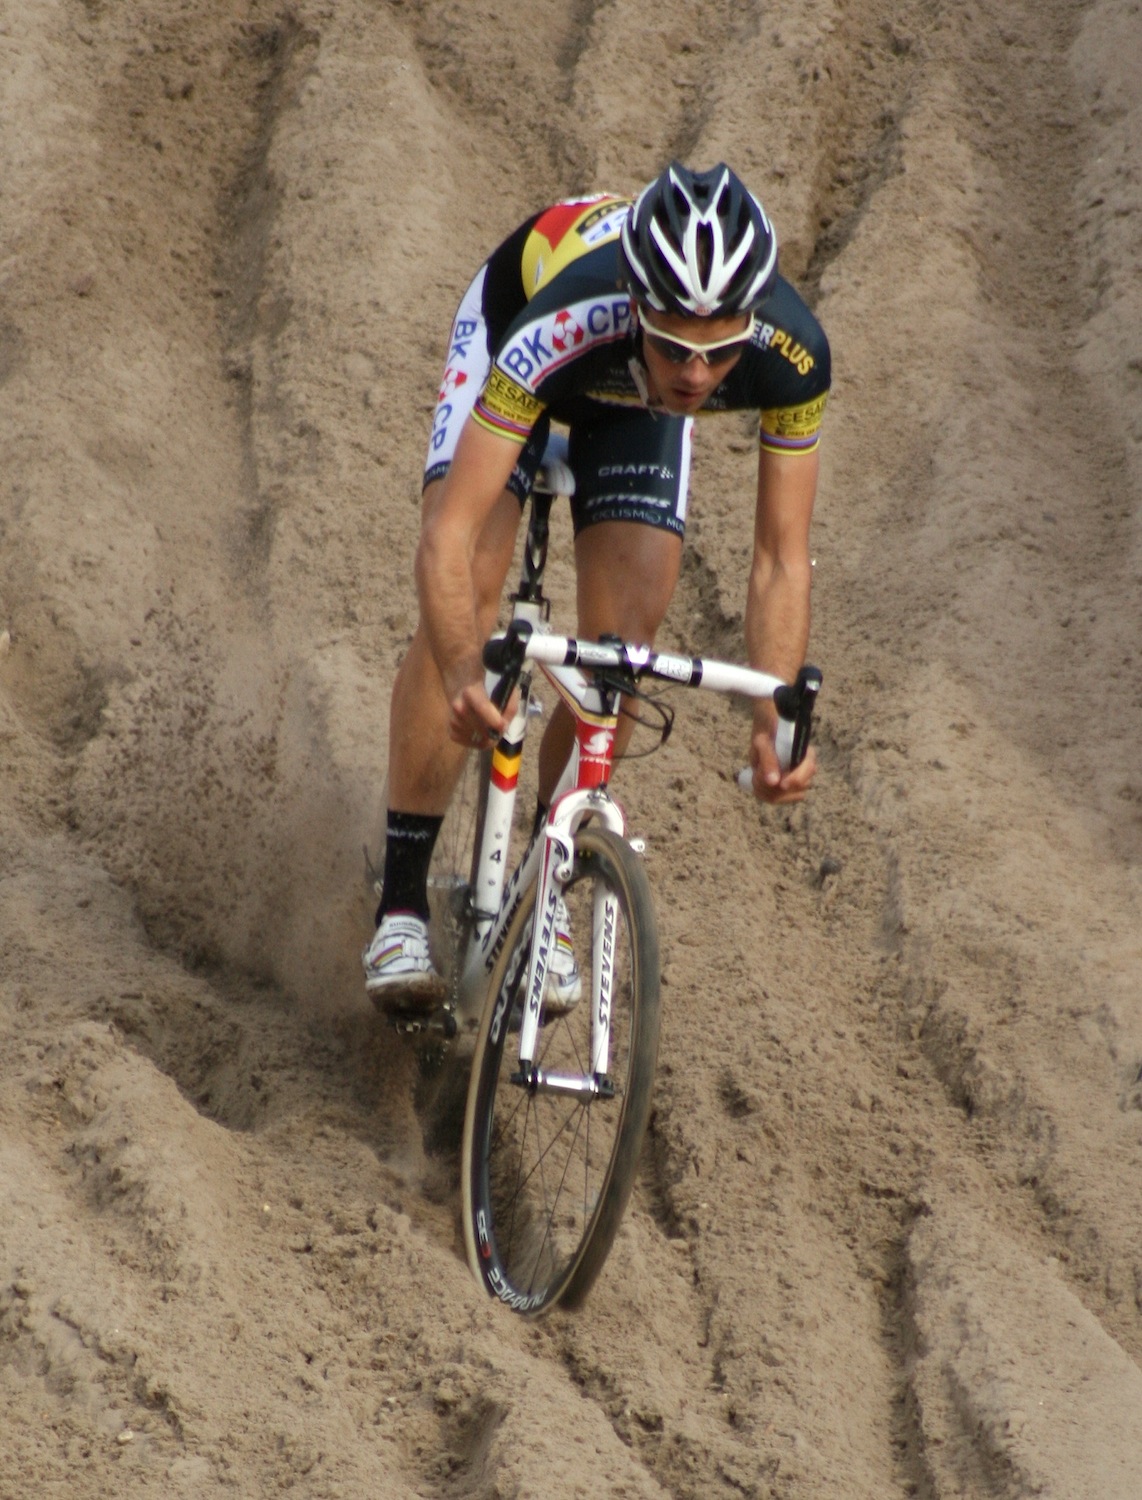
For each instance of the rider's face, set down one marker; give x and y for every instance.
(683, 383)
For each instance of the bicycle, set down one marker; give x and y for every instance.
(559, 1096)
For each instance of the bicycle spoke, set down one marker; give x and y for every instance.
(551, 1214)
(514, 1199)
(586, 1175)
(544, 1152)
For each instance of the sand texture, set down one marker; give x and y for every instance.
(887, 1237)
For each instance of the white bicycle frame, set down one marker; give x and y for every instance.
(571, 666)
(548, 860)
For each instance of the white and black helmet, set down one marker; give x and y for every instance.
(698, 243)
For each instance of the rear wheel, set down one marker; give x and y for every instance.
(451, 871)
(547, 1176)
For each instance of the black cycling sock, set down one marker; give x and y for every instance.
(409, 842)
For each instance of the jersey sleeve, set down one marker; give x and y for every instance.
(552, 350)
(562, 265)
(506, 408)
(790, 369)
(793, 429)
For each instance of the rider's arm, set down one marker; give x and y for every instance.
(455, 515)
(777, 603)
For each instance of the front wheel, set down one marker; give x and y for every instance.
(547, 1176)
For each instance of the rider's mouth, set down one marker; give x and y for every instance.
(687, 397)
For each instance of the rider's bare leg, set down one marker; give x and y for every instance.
(626, 573)
(424, 764)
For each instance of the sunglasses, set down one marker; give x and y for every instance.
(680, 351)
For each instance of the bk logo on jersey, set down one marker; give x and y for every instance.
(567, 333)
(550, 341)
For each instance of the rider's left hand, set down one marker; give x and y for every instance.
(770, 783)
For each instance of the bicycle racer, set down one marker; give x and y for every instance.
(622, 321)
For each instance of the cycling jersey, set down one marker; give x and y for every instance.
(545, 332)
(560, 327)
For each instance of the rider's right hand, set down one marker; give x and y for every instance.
(474, 721)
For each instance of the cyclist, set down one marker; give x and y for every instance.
(621, 321)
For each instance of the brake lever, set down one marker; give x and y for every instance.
(503, 657)
(794, 704)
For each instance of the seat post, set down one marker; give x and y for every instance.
(530, 589)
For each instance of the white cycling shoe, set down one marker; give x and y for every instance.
(399, 972)
(400, 975)
(564, 986)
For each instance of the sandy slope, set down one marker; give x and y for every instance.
(886, 1241)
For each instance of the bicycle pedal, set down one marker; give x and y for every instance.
(432, 1025)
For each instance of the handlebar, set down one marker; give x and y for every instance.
(505, 655)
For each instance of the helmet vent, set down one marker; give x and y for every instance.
(704, 252)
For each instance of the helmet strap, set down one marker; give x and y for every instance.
(641, 377)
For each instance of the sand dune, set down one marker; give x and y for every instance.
(886, 1238)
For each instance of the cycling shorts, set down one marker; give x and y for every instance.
(630, 464)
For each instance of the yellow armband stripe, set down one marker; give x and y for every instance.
(505, 407)
(793, 429)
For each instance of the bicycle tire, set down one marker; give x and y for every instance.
(532, 1241)
(452, 869)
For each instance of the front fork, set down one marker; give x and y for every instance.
(567, 812)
